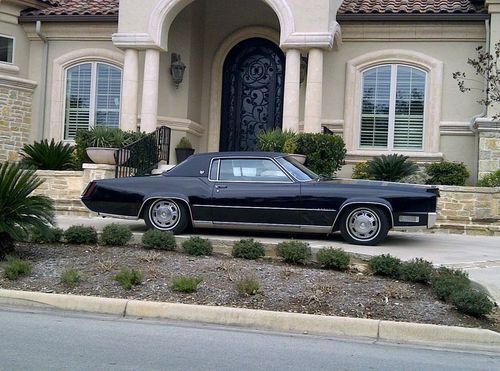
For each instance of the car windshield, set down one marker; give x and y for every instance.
(298, 171)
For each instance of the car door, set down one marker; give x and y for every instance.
(254, 191)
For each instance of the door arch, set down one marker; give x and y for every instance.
(252, 97)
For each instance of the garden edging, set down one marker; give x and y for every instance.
(377, 330)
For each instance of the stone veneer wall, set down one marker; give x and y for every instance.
(469, 210)
(489, 151)
(15, 120)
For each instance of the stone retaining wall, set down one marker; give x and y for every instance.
(469, 210)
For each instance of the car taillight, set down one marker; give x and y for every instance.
(434, 190)
(90, 189)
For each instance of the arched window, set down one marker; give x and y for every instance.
(392, 108)
(93, 94)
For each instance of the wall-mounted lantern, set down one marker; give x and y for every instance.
(177, 69)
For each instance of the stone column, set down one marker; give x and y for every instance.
(149, 111)
(314, 92)
(292, 91)
(128, 119)
(489, 146)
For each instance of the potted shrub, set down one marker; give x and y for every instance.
(290, 147)
(183, 149)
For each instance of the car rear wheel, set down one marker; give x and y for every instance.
(166, 215)
(364, 225)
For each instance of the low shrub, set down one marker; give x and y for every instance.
(16, 268)
(385, 265)
(48, 156)
(325, 153)
(294, 251)
(49, 235)
(446, 281)
(472, 302)
(115, 235)
(334, 259)
(79, 234)
(360, 171)
(416, 270)
(155, 239)
(391, 168)
(447, 173)
(197, 246)
(274, 140)
(71, 277)
(248, 249)
(490, 180)
(186, 284)
(128, 278)
(248, 286)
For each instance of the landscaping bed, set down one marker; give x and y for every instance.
(283, 287)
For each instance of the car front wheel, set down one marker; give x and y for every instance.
(364, 225)
(166, 215)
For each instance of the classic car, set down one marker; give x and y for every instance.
(263, 191)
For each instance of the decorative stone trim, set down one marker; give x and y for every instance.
(165, 12)
(17, 83)
(180, 124)
(353, 93)
(59, 66)
(134, 40)
(9, 68)
(455, 128)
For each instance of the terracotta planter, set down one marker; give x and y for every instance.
(183, 153)
(102, 155)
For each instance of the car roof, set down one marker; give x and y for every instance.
(198, 164)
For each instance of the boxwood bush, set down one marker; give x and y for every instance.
(325, 153)
(294, 251)
(155, 239)
(447, 173)
(385, 265)
(490, 180)
(248, 249)
(79, 234)
(334, 258)
(49, 235)
(416, 270)
(472, 302)
(197, 246)
(116, 235)
(446, 281)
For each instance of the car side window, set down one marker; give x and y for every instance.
(214, 168)
(251, 170)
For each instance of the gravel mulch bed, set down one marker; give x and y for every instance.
(300, 289)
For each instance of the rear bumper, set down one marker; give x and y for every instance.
(431, 219)
(414, 220)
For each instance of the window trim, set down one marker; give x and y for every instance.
(432, 111)
(93, 92)
(392, 109)
(13, 50)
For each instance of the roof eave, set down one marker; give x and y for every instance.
(471, 17)
(69, 18)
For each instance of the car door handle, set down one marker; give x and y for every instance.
(220, 186)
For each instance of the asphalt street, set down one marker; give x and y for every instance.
(43, 340)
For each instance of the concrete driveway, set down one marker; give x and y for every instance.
(478, 255)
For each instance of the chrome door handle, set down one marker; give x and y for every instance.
(221, 186)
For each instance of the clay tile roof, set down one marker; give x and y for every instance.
(76, 8)
(411, 7)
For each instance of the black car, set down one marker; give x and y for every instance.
(263, 191)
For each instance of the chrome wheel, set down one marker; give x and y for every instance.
(363, 224)
(164, 214)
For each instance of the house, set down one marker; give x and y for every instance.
(377, 72)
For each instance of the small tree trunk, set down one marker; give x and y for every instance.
(6, 245)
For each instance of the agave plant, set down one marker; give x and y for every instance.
(391, 168)
(48, 156)
(18, 210)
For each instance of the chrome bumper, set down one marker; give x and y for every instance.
(431, 219)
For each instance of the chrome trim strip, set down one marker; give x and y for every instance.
(431, 219)
(363, 203)
(266, 208)
(263, 226)
(106, 215)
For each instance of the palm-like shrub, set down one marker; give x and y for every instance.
(274, 140)
(19, 211)
(48, 156)
(391, 168)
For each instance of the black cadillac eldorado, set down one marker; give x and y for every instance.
(263, 191)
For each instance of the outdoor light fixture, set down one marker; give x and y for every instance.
(303, 68)
(177, 69)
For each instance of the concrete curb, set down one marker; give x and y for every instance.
(377, 330)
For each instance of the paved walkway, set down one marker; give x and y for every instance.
(479, 255)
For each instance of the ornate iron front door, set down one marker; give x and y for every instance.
(252, 101)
